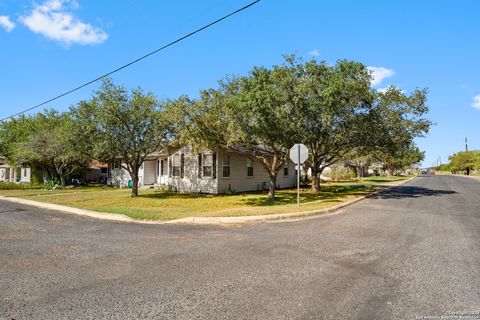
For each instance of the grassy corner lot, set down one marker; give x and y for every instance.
(156, 205)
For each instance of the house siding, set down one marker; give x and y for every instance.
(191, 181)
(15, 174)
(240, 182)
(119, 177)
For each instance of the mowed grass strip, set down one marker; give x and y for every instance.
(157, 205)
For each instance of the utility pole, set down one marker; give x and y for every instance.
(466, 149)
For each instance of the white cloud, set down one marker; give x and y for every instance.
(379, 74)
(314, 53)
(52, 20)
(6, 23)
(384, 90)
(476, 101)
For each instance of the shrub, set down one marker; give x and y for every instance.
(50, 184)
(35, 182)
(341, 173)
(15, 186)
(229, 190)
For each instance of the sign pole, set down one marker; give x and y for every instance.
(298, 177)
(298, 154)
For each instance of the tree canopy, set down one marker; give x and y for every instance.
(128, 126)
(332, 109)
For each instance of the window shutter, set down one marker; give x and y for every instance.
(182, 165)
(170, 166)
(200, 165)
(214, 166)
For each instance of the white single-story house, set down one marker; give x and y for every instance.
(206, 172)
(10, 173)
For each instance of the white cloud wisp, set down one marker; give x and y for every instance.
(379, 74)
(53, 20)
(6, 23)
(314, 53)
(476, 101)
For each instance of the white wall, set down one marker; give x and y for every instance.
(240, 182)
(4, 175)
(25, 174)
(191, 182)
(149, 172)
(15, 174)
(119, 177)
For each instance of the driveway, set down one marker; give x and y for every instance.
(411, 252)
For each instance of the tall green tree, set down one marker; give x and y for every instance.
(465, 161)
(250, 115)
(48, 140)
(129, 126)
(331, 104)
(396, 120)
(12, 133)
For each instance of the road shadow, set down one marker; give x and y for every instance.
(401, 192)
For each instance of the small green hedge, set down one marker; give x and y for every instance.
(18, 186)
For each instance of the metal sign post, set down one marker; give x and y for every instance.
(298, 154)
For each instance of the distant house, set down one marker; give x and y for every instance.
(10, 173)
(206, 172)
(97, 172)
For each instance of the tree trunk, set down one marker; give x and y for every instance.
(315, 183)
(62, 181)
(271, 187)
(316, 179)
(135, 186)
(390, 171)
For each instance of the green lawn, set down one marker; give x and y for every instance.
(156, 205)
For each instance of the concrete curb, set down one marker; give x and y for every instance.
(66, 209)
(202, 220)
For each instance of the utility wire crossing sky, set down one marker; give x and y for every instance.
(134, 61)
(48, 45)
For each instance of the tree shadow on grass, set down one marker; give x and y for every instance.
(331, 194)
(173, 195)
(410, 192)
(372, 181)
(335, 193)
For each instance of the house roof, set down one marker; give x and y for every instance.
(98, 165)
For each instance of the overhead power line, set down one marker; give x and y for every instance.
(134, 61)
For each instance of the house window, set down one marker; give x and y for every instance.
(249, 167)
(103, 170)
(285, 169)
(207, 165)
(25, 172)
(226, 166)
(176, 165)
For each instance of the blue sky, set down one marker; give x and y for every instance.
(48, 47)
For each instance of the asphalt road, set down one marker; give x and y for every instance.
(409, 253)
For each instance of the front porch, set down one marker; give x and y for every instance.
(154, 171)
(14, 174)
